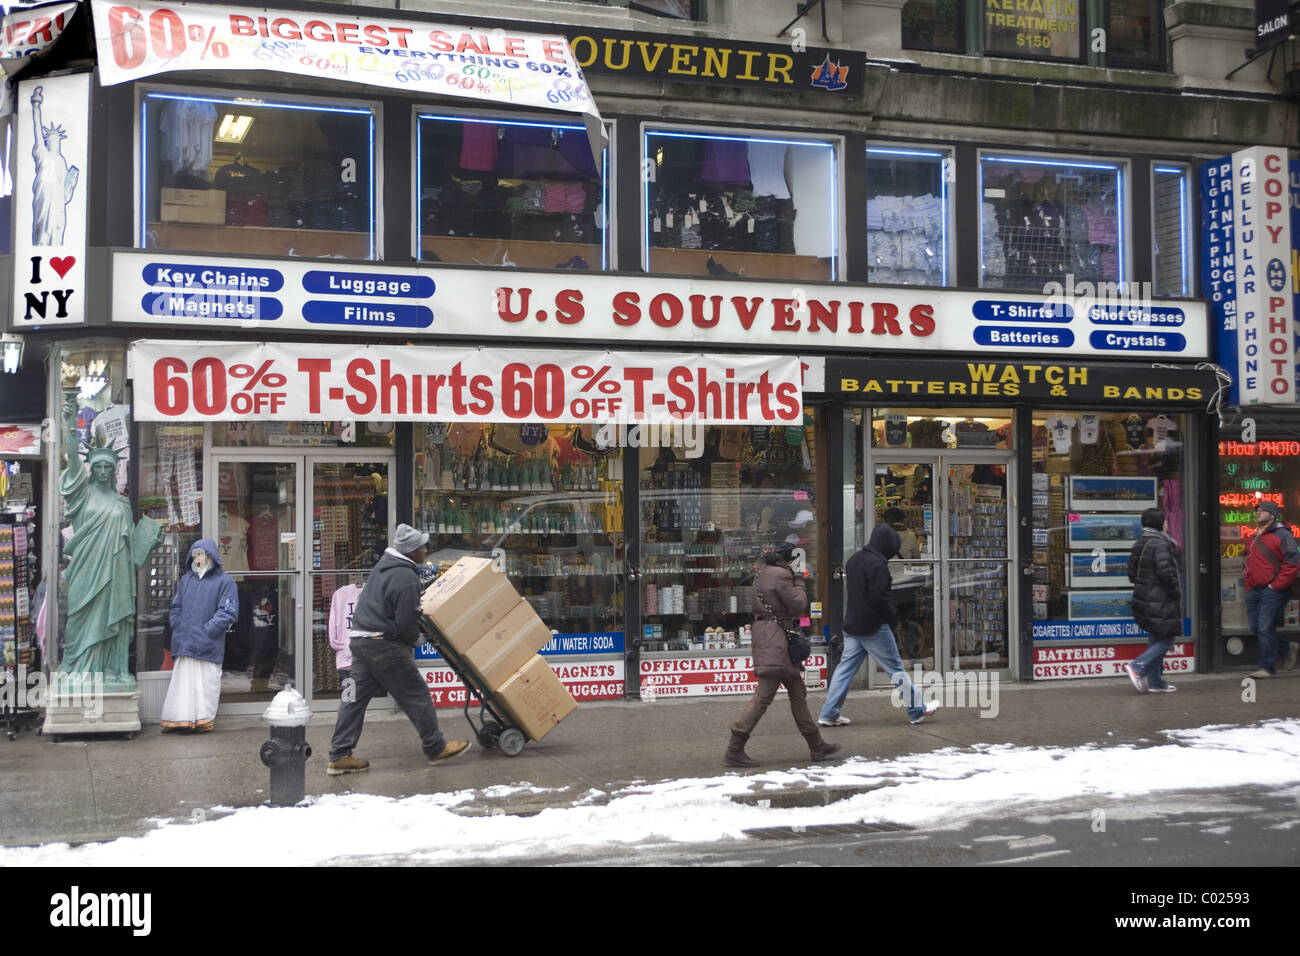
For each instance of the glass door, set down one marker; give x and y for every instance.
(351, 514)
(951, 578)
(257, 521)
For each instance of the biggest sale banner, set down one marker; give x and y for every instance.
(213, 381)
(138, 38)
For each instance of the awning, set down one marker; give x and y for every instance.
(137, 39)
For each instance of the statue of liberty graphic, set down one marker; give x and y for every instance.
(55, 181)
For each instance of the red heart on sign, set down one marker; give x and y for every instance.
(61, 264)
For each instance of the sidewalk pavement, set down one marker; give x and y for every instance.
(98, 788)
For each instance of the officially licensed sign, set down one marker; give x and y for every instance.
(274, 295)
(214, 381)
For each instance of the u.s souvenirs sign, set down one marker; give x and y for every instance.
(689, 59)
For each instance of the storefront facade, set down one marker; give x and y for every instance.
(623, 351)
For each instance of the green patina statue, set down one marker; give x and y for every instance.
(105, 551)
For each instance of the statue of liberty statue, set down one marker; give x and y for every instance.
(54, 182)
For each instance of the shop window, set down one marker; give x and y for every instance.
(1249, 472)
(940, 428)
(711, 506)
(546, 500)
(170, 492)
(934, 25)
(1045, 220)
(510, 192)
(673, 9)
(908, 216)
(254, 176)
(1135, 34)
(1050, 31)
(1094, 473)
(1171, 229)
(758, 206)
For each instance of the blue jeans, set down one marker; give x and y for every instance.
(884, 651)
(1263, 608)
(1151, 663)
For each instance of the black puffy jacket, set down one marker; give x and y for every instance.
(1157, 597)
(867, 584)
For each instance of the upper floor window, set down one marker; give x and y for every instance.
(760, 206)
(675, 9)
(257, 176)
(1047, 220)
(1132, 33)
(510, 192)
(908, 215)
(1171, 228)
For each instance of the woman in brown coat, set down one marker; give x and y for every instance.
(786, 596)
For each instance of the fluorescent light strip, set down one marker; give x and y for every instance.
(1110, 167)
(263, 104)
(903, 152)
(495, 122)
(740, 139)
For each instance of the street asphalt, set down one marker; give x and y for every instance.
(96, 788)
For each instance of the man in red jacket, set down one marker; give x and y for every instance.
(1272, 562)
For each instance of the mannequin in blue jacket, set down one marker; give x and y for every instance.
(205, 605)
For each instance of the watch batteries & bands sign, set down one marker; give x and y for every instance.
(138, 38)
(1039, 381)
(665, 677)
(287, 295)
(214, 381)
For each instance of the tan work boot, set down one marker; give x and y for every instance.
(348, 764)
(454, 748)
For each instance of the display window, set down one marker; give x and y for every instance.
(544, 500)
(908, 216)
(510, 192)
(940, 428)
(1171, 229)
(759, 206)
(1094, 473)
(247, 175)
(1049, 31)
(710, 507)
(1050, 221)
(1267, 469)
(934, 25)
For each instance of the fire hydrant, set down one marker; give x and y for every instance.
(287, 751)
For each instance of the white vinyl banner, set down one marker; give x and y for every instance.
(49, 201)
(138, 38)
(210, 381)
(1265, 345)
(25, 32)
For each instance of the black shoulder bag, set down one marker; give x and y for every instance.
(796, 641)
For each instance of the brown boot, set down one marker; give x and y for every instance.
(735, 755)
(819, 749)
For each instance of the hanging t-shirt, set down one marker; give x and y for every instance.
(263, 542)
(1060, 428)
(1160, 427)
(1133, 429)
(232, 543)
(1089, 429)
(767, 169)
(342, 604)
(478, 146)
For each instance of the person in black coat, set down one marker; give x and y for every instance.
(1157, 600)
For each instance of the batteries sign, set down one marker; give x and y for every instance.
(200, 381)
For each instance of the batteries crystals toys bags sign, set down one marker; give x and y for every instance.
(50, 201)
(198, 381)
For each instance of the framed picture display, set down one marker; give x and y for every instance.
(1112, 493)
(1110, 532)
(1101, 605)
(1088, 569)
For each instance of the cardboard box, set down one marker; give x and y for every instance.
(206, 206)
(508, 646)
(469, 599)
(535, 698)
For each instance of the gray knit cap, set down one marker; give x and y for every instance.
(407, 539)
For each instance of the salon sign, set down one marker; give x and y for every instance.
(137, 39)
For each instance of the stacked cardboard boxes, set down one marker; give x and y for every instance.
(497, 634)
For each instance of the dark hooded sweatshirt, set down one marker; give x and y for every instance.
(867, 584)
(203, 608)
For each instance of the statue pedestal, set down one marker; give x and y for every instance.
(110, 713)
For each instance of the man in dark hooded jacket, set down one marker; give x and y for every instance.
(868, 621)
